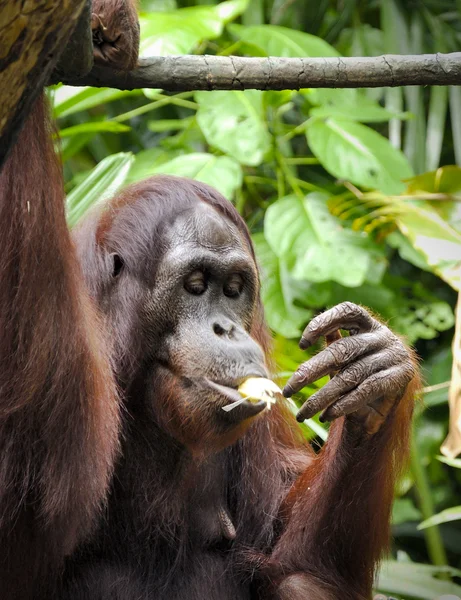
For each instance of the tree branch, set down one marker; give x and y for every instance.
(188, 73)
(31, 34)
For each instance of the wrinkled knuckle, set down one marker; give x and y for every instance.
(302, 372)
(368, 386)
(397, 356)
(349, 309)
(352, 375)
(336, 351)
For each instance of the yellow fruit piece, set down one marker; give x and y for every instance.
(255, 389)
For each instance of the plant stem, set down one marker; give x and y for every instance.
(178, 100)
(432, 535)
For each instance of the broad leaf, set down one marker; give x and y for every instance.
(274, 40)
(416, 580)
(315, 244)
(180, 31)
(146, 162)
(277, 292)
(439, 243)
(403, 510)
(235, 123)
(356, 153)
(221, 172)
(445, 181)
(407, 251)
(101, 184)
(350, 104)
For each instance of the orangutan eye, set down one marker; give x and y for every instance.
(233, 286)
(117, 265)
(195, 283)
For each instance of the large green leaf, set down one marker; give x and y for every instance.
(274, 40)
(315, 244)
(101, 184)
(221, 172)
(439, 243)
(278, 292)
(416, 580)
(359, 154)
(68, 100)
(147, 161)
(235, 123)
(350, 104)
(445, 181)
(180, 31)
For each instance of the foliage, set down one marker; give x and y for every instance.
(343, 191)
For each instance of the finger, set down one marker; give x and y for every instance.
(346, 315)
(333, 337)
(387, 384)
(345, 381)
(334, 358)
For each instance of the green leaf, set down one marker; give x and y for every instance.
(446, 180)
(227, 11)
(277, 292)
(453, 462)
(314, 242)
(416, 580)
(68, 100)
(161, 125)
(180, 31)
(350, 104)
(359, 154)
(221, 172)
(146, 161)
(407, 251)
(101, 184)
(445, 516)
(423, 319)
(93, 127)
(439, 243)
(235, 123)
(403, 510)
(274, 40)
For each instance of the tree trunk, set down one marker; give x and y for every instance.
(32, 35)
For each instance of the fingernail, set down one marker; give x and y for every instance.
(304, 343)
(300, 417)
(288, 391)
(322, 418)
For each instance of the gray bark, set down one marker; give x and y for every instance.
(188, 73)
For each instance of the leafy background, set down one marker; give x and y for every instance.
(347, 194)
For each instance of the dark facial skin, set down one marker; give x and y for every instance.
(200, 311)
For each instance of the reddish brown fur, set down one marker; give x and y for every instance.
(307, 526)
(342, 505)
(116, 33)
(59, 415)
